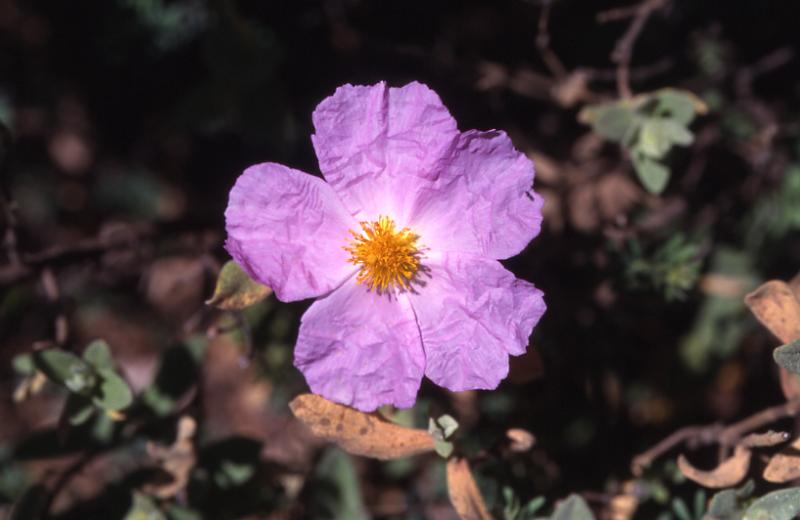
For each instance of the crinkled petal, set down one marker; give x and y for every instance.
(378, 146)
(483, 200)
(472, 314)
(361, 349)
(288, 230)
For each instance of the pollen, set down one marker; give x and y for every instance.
(388, 257)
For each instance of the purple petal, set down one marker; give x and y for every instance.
(288, 230)
(483, 201)
(361, 349)
(376, 145)
(472, 314)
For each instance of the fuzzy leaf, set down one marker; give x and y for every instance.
(788, 356)
(573, 507)
(236, 290)
(783, 504)
(615, 123)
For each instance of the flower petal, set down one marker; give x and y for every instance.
(376, 145)
(361, 349)
(472, 314)
(288, 230)
(483, 200)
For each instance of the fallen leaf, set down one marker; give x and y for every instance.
(784, 465)
(464, 493)
(775, 306)
(729, 473)
(177, 460)
(357, 432)
(235, 289)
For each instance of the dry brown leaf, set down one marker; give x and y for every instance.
(357, 432)
(775, 305)
(623, 506)
(729, 473)
(521, 440)
(177, 460)
(464, 493)
(785, 465)
(794, 285)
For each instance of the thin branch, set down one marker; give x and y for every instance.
(623, 50)
(716, 433)
(543, 43)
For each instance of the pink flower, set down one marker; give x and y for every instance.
(400, 246)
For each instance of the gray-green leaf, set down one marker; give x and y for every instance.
(573, 508)
(783, 504)
(98, 355)
(675, 105)
(654, 175)
(615, 123)
(113, 393)
(788, 356)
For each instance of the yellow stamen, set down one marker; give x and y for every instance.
(388, 257)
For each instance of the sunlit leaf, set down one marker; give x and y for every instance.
(357, 432)
(783, 504)
(464, 494)
(235, 289)
(654, 175)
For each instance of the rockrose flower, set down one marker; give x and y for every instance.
(399, 244)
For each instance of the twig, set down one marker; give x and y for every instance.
(746, 75)
(715, 433)
(543, 43)
(624, 47)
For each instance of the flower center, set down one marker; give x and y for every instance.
(388, 257)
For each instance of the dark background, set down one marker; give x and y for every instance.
(129, 121)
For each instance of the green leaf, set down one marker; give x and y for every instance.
(232, 474)
(680, 509)
(66, 369)
(615, 123)
(23, 364)
(443, 448)
(78, 409)
(98, 355)
(783, 504)
(335, 490)
(573, 508)
(113, 392)
(676, 105)
(144, 508)
(788, 356)
(534, 505)
(654, 175)
(236, 290)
